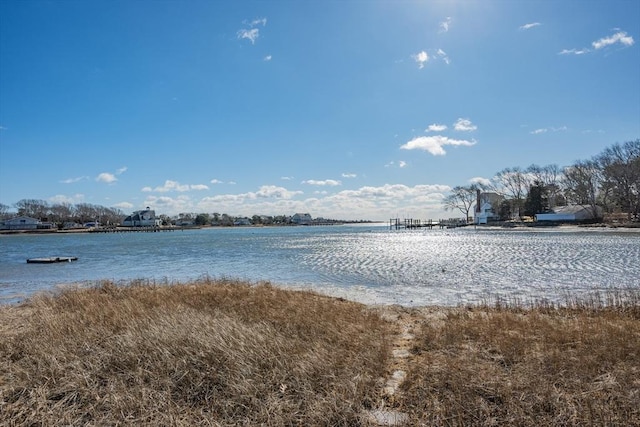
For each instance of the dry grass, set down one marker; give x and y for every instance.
(576, 365)
(209, 353)
(224, 353)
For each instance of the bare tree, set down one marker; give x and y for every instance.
(462, 199)
(513, 183)
(4, 211)
(620, 168)
(582, 181)
(34, 208)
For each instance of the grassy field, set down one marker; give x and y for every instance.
(225, 353)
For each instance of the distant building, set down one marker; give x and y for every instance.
(25, 223)
(143, 218)
(486, 205)
(573, 213)
(301, 219)
(242, 221)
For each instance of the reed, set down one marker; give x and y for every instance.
(207, 353)
(540, 364)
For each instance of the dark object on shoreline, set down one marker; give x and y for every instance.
(51, 260)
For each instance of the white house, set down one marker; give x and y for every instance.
(301, 219)
(572, 213)
(486, 204)
(143, 218)
(21, 223)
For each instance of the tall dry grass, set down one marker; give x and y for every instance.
(208, 353)
(540, 365)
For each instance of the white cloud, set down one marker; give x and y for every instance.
(216, 181)
(436, 128)
(464, 125)
(421, 58)
(198, 187)
(349, 175)
(272, 191)
(434, 144)
(327, 182)
(378, 203)
(60, 198)
(402, 164)
(286, 178)
(619, 37)
(443, 55)
(123, 205)
(538, 131)
(444, 25)
(121, 170)
(529, 26)
(267, 58)
(106, 177)
(481, 181)
(175, 186)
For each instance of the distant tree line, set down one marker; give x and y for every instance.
(61, 213)
(610, 180)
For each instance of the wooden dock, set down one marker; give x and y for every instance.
(132, 229)
(412, 224)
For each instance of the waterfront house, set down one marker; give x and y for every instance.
(301, 219)
(486, 206)
(25, 223)
(573, 213)
(143, 218)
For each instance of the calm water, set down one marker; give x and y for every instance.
(366, 263)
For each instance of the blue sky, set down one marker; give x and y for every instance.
(342, 109)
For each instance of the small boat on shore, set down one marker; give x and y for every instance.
(51, 260)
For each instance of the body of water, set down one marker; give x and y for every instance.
(371, 264)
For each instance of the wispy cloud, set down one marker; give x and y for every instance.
(175, 186)
(619, 37)
(349, 175)
(545, 130)
(121, 170)
(444, 25)
(326, 182)
(443, 55)
(400, 163)
(436, 128)
(267, 58)
(573, 51)
(74, 180)
(421, 58)
(252, 34)
(216, 181)
(434, 144)
(529, 26)
(464, 125)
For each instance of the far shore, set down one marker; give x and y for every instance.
(631, 227)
